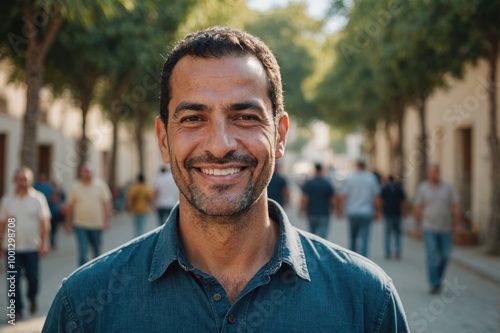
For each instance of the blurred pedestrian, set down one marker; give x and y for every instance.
(24, 234)
(393, 199)
(317, 202)
(166, 194)
(277, 189)
(227, 259)
(360, 200)
(44, 186)
(58, 210)
(435, 210)
(139, 198)
(88, 212)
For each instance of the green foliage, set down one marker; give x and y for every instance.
(395, 53)
(289, 33)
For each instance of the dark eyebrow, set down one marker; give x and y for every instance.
(190, 106)
(246, 105)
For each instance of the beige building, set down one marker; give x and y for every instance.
(457, 125)
(58, 132)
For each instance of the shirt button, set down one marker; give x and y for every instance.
(217, 297)
(232, 319)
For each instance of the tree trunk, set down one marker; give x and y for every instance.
(422, 165)
(117, 111)
(400, 143)
(492, 231)
(35, 68)
(140, 117)
(85, 92)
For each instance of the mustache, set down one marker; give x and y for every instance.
(228, 158)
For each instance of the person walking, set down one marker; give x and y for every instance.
(139, 198)
(228, 259)
(277, 189)
(317, 202)
(436, 210)
(393, 199)
(166, 194)
(44, 186)
(24, 237)
(88, 212)
(361, 202)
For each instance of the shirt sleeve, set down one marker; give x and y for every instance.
(60, 317)
(105, 192)
(419, 196)
(44, 211)
(393, 319)
(71, 195)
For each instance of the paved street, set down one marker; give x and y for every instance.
(468, 303)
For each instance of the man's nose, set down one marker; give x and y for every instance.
(220, 139)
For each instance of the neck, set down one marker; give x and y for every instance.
(434, 182)
(230, 248)
(21, 191)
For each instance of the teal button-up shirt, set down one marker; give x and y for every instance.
(148, 285)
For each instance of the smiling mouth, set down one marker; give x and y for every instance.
(221, 172)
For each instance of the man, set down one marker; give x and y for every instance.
(393, 205)
(88, 212)
(317, 201)
(139, 197)
(277, 189)
(166, 194)
(360, 196)
(24, 236)
(227, 259)
(435, 210)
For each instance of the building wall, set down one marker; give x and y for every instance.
(450, 114)
(61, 130)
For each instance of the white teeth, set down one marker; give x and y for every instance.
(221, 172)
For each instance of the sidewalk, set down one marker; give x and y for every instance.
(470, 257)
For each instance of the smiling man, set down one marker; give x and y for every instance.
(228, 259)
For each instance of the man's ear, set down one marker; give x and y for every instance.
(161, 136)
(283, 126)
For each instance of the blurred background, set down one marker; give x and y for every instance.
(401, 84)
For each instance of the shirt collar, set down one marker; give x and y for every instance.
(288, 248)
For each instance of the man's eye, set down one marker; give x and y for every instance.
(246, 117)
(190, 119)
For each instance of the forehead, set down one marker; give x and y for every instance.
(193, 73)
(21, 175)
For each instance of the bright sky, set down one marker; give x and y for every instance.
(316, 9)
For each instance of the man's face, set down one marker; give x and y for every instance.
(85, 173)
(22, 180)
(221, 140)
(433, 174)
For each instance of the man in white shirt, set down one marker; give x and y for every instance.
(88, 212)
(166, 194)
(24, 231)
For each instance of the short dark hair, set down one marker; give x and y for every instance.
(318, 167)
(220, 42)
(141, 178)
(361, 164)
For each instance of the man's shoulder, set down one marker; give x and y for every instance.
(340, 263)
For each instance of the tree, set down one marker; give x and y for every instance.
(289, 34)
(31, 28)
